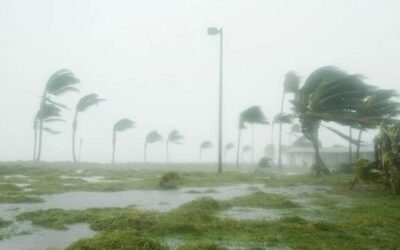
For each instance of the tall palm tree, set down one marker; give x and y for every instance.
(84, 103)
(246, 149)
(252, 115)
(151, 137)
(120, 126)
(174, 137)
(204, 145)
(61, 82)
(290, 85)
(48, 113)
(329, 94)
(281, 119)
(228, 147)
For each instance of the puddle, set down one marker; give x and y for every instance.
(90, 179)
(42, 239)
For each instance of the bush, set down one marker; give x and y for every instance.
(170, 180)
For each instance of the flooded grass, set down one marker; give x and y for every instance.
(207, 211)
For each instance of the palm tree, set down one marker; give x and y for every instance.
(120, 126)
(61, 82)
(281, 119)
(151, 137)
(47, 114)
(228, 147)
(329, 94)
(84, 103)
(245, 149)
(290, 85)
(204, 145)
(381, 104)
(252, 115)
(174, 137)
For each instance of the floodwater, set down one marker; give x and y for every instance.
(47, 239)
(161, 200)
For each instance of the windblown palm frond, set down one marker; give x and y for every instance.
(283, 118)
(206, 145)
(51, 131)
(87, 101)
(61, 82)
(252, 115)
(153, 137)
(123, 125)
(296, 128)
(291, 83)
(48, 111)
(175, 137)
(229, 146)
(60, 105)
(246, 148)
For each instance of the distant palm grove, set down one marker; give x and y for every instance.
(328, 94)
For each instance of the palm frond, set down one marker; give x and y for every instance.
(175, 137)
(291, 83)
(229, 146)
(206, 145)
(47, 111)
(61, 81)
(342, 135)
(123, 124)
(252, 115)
(283, 118)
(153, 137)
(88, 101)
(56, 103)
(51, 131)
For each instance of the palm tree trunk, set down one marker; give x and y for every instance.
(167, 151)
(280, 133)
(319, 167)
(252, 145)
(74, 126)
(272, 141)
(238, 148)
(114, 140)
(359, 143)
(350, 145)
(34, 140)
(39, 154)
(80, 149)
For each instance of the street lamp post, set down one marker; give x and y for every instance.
(215, 31)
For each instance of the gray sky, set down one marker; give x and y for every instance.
(155, 64)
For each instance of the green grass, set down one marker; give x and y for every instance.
(369, 218)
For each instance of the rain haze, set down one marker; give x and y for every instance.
(154, 63)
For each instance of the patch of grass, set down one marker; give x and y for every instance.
(4, 223)
(201, 246)
(170, 180)
(10, 193)
(126, 240)
(263, 200)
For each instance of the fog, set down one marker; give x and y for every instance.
(155, 64)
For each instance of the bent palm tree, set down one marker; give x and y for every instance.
(204, 145)
(228, 147)
(48, 113)
(329, 94)
(59, 83)
(151, 137)
(120, 126)
(281, 119)
(290, 85)
(174, 137)
(83, 104)
(252, 115)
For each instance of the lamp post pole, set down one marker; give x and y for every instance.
(215, 31)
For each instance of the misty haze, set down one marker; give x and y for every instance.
(199, 125)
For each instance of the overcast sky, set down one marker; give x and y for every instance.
(155, 64)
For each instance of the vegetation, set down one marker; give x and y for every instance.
(228, 147)
(252, 115)
(204, 145)
(61, 82)
(281, 119)
(121, 125)
(151, 137)
(170, 180)
(174, 137)
(83, 104)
